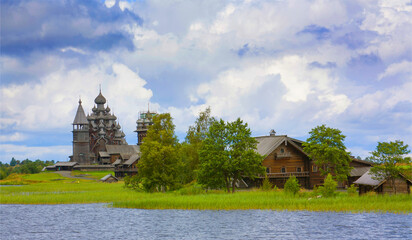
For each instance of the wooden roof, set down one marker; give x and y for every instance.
(267, 144)
(104, 154)
(362, 161)
(107, 177)
(65, 164)
(123, 149)
(80, 117)
(367, 179)
(358, 171)
(132, 159)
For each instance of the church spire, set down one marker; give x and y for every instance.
(80, 117)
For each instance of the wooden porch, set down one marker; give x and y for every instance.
(286, 174)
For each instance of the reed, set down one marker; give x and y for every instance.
(52, 190)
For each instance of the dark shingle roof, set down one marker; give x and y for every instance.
(80, 117)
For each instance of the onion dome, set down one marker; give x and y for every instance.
(107, 109)
(94, 109)
(100, 99)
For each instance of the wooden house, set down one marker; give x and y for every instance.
(114, 152)
(284, 157)
(126, 166)
(367, 183)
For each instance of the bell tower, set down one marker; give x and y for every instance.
(80, 137)
(143, 123)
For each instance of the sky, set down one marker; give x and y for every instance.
(283, 65)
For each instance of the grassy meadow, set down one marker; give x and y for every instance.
(91, 174)
(52, 188)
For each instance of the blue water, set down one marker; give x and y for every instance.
(95, 221)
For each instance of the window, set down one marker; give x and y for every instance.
(282, 150)
(314, 168)
(283, 169)
(267, 170)
(298, 169)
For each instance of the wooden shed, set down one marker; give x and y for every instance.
(62, 166)
(382, 185)
(109, 178)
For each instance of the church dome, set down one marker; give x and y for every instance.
(100, 99)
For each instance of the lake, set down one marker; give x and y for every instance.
(96, 221)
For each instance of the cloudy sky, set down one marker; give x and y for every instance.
(282, 65)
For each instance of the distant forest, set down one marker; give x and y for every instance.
(22, 167)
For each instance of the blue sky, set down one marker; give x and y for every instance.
(282, 65)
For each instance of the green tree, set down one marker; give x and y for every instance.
(388, 156)
(13, 162)
(329, 187)
(325, 146)
(228, 154)
(266, 185)
(292, 185)
(193, 141)
(159, 162)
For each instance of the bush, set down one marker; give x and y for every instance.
(292, 185)
(352, 191)
(329, 187)
(132, 182)
(266, 185)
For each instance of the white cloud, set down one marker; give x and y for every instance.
(52, 102)
(15, 137)
(392, 21)
(110, 3)
(273, 84)
(396, 68)
(21, 152)
(263, 93)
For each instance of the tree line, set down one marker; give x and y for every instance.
(22, 167)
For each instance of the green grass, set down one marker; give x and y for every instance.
(51, 188)
(24, 179)
(92, 174)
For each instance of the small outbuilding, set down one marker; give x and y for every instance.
(368, 183)
(62, 166)
(109, 178)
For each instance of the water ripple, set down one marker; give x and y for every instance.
(95, 221)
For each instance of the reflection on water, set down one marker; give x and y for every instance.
(95, 221)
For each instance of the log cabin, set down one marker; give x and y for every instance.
(284, 157)
(367, 182)
(123, 166)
